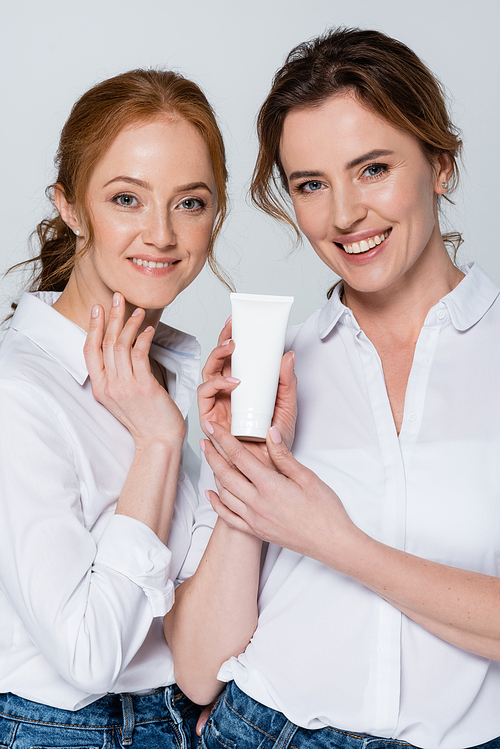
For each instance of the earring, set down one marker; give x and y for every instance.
(444, 185)
(77, 232)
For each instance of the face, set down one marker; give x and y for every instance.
(364, 193)
(152, 201)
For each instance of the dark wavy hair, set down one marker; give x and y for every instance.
(384, 75)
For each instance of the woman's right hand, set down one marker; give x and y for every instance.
(120, 373)
(214, 395)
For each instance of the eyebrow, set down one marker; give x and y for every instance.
(375, 154)
(147, 186)
(304, 175)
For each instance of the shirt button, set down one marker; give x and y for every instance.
(412, 417)
(424, 360)
(181, 475)
(441, 315)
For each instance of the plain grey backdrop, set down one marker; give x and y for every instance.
(52, 51)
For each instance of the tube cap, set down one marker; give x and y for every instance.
(251, 426)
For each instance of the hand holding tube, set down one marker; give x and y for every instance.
(287, 505)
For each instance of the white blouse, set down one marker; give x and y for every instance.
(328, 651)
(82, 590)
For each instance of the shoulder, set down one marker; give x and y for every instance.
(297, 334)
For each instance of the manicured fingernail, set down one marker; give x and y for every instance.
(226, 343)
(207, 495)
(202, 445)
(233, 379)
(136, 312)
(95, 310)
(116, 299)
(150, 327)
(275, 435)
(199, 727)
(228, 320)
(209, 427)
(293, 357)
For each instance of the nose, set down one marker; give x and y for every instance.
(158, 229)
(348, 207)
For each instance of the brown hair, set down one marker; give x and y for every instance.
(384, 74)
(94, 122)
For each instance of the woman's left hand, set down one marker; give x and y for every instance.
(120, 373)
(287, 505)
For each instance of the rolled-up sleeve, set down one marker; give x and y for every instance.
(87, 604)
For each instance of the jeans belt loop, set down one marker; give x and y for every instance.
(128, 719)
(284, 739)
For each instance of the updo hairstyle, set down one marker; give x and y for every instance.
(96, 119)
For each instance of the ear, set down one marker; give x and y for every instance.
(443, 173)
(66, 210)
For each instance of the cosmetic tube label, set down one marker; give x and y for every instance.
(258, 328)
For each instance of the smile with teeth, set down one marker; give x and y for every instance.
(150, 263)
(366, 244)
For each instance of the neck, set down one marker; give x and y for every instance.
(401, 308)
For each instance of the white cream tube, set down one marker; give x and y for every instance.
(259, 328)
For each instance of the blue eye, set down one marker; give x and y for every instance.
(375, 170)
(311, 186)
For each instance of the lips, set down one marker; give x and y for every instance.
(364, 245)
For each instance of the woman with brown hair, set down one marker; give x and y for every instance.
(372, 610)
(97, 509)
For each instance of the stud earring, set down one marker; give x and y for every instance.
(444, 185)
(77, 232)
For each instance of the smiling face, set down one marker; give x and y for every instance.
(364, 193)
(152, 202)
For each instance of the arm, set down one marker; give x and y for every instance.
(87, 590)
(118, 365)
(215, 613)
(292, 507)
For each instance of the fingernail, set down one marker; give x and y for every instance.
(209, 427)
(293, 357)
(202, 445)
(136, 312)
(226, 343)
(95, 310)
(228, 320)
(275, 435)
(116, 299)
(207, 495)
(199, 727)
(232, 379)
(150, 327)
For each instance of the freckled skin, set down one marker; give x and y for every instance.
(160, 220)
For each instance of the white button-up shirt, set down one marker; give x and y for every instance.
(328, 651)
(82, 590)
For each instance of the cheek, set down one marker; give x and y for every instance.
(311, 218)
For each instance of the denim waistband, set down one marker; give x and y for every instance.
(110, 711)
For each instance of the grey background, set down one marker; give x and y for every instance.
(52, 51)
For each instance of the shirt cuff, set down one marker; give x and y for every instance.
(135, 551)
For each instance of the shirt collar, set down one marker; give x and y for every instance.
(466, 304)
(63, 340)
(471, 299)
(60, 338)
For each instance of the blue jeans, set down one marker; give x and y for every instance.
(239, 722)
(164, 719)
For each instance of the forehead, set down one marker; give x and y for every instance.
(340, 127)
(166, 145)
